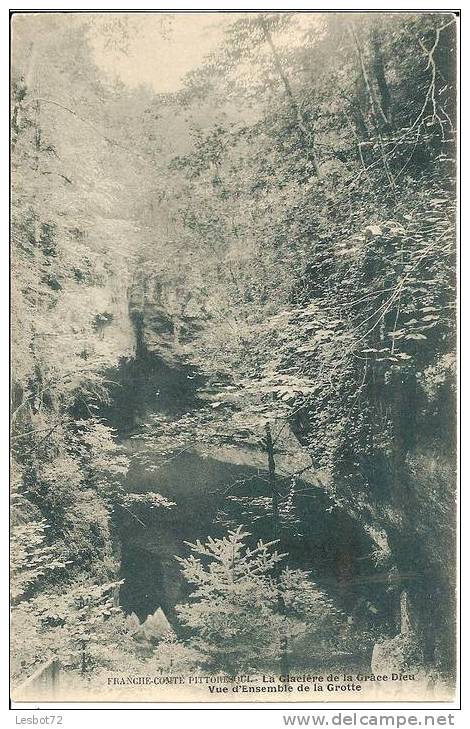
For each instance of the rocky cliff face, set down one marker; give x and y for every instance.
(400, 561)
(164, 315)
(331, 542)
(115, 335)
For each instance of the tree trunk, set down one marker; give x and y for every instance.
(272, 483)
(375, 106)
(284, 665)
(379, 73)
(306, 135)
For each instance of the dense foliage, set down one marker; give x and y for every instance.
(234, 609)
(284, 224)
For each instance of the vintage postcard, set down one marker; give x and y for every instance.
(233, 419)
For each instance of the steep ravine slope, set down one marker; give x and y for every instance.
(201, 481)
(355, 547)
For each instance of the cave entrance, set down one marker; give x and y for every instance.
(326, 541)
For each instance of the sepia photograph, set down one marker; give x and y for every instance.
(233, 356)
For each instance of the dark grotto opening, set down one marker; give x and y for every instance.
(326, 541)
(147, 384)
(144, 581)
